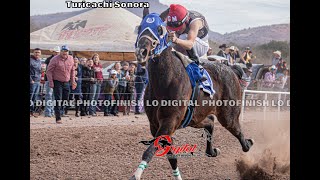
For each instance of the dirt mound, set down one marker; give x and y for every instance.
(270, 159)
(267, 168)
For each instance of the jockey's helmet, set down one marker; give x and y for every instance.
(176, 17)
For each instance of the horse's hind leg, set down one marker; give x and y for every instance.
(208, 125)
(234, 127)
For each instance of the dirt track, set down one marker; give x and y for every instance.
(108, 148)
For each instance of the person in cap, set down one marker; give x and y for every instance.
(282, 64)
(123, 79)
(276, 57)
(188, 30)
(246, 78)
(246, 56)
(116, 93)
(222, 52)
(233, 54)
(48, 110)
(111, 85)
(270, 77)
(60, 73)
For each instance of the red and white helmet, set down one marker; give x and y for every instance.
(176, 17)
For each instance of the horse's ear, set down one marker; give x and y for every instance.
(145, 12)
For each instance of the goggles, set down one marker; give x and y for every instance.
(176, 24)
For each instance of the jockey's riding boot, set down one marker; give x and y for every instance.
(194, 57)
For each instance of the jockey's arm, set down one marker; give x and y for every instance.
(193, 33)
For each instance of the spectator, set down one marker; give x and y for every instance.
(88, 80)
(116, 95)
(140, 83)
(246, 78)
(35, 77)
(283, 79)
(129, 95)
(222, 52)
(76, 93)
(210, 52)
(281, 66)
(60, 72)
(276, 57)
(123, 78)
(111, 85)
(270, 77)
(232, 53)
(96, 88)
(83, 61)
(246, 56)
(48, 111)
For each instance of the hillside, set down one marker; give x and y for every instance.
(254, 36)
(246, 37)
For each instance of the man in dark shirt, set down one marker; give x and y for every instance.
(88, 81)
(140, 83)
(48, 111)
(35, 77)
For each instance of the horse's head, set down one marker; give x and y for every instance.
(152, 35)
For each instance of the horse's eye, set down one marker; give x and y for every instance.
(160, 31)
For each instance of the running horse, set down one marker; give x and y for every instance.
(168, 80)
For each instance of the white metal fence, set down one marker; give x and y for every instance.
(280, 97)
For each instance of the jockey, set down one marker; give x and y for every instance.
(188, 30)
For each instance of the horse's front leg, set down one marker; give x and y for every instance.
(167, 128)
(174, 165)
(146, 158)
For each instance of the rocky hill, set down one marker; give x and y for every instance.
(246, 37)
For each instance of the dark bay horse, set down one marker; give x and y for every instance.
(168, 80)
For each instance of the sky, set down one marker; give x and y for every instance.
(223, 16)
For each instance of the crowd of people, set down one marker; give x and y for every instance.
(71, 78)
(275, 78)
(68, 77)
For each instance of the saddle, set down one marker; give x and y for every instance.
(184, 59)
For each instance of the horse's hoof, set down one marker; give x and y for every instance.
(251, 142)
(215, 152)
(133, 178)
